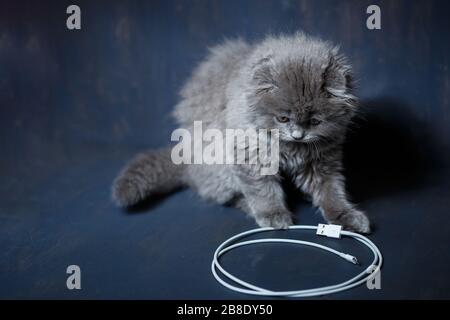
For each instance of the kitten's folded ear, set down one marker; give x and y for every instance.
(262, 74)
(337, 73)
(338, 78)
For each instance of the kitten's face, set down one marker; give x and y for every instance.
(298, 119)
(306, 103)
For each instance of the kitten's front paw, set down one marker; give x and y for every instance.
(125, 192)
(277, 220)
(354, 220)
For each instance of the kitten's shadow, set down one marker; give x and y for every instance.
(388, 150)
(150, 203)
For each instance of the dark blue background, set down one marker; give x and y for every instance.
(75, 105)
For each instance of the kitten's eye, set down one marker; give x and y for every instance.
(282, 119)
(315, 122)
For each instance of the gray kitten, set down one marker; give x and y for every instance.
(297, 84)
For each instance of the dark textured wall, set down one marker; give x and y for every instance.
(113, 81)
(74, 105)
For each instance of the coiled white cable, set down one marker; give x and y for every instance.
(326, 230)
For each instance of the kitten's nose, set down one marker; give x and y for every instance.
(298, 134)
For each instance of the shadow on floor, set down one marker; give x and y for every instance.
(388, 150)
(150, 203)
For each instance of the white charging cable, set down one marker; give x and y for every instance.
(333, 231)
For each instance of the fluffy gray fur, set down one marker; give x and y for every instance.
(297, 84)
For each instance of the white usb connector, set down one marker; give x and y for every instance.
(329, 230)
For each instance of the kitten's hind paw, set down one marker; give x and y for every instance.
(354, 220)
(125, 192)
(277, 220)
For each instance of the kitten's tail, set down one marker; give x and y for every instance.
(147, 174)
